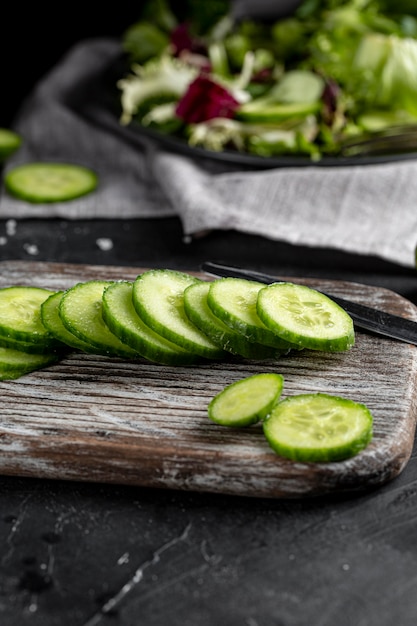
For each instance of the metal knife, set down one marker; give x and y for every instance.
(364, 317)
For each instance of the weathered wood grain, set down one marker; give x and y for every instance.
(98, 419)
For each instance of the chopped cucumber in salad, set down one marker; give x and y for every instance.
(303, 84)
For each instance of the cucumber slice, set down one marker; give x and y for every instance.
(246, 401)
(305, 317)
(274, 113)
(53, 323)
(23, 346)
(233, 300)
(198, 311)
(158, 298)
(16, 363)
(20, 317)
(80, 310)
(318, 428)
(120, 316)
(9, 143)
(50, 182)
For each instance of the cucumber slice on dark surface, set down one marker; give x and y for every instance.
(246, 401)
(43, 182)
(198, 311)
(305, 317)
(318, 428)
(80, 310)
(120, 316)
(9, 143)
(158, 298)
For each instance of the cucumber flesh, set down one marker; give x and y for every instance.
(306, 317)
(80, 310)
(158, 298)
(53, 323)
(120, 316)
(233, 301)
(198, 311)
(318, 428)
(246, 401)
(20, 317)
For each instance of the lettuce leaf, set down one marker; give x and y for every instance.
(385, 72)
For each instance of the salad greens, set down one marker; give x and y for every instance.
(304, 85)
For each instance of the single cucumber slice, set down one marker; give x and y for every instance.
(80, 310)
(272, 113)
(305, 317)
(198, 311)
(233, 301)
(16, 363)
(318, 428)
(120, 316)
(20, 316)
(9, 143)
(246, 401)
(50, 182)
(158, 298)
(51, 320)
(23, 346)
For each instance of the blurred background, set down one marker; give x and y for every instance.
(34, 38)
(37, 39)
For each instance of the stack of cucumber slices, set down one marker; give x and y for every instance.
(174, 318)
(170, 317)
(25, 343)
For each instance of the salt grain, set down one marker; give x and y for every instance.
(104, 243)
(11, 227)
(31, 248)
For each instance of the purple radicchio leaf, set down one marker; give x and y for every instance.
(204, 100)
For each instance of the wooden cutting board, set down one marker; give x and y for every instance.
(98, 419)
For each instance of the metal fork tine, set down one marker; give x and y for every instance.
(396, 139)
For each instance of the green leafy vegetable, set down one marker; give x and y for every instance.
(305, 84)
(164, 76)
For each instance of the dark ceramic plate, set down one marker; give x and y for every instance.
(241, 159)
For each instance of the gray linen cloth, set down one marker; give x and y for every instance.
(364, 209)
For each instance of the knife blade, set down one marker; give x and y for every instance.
(364, 317)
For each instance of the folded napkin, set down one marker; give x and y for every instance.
(369, 209)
